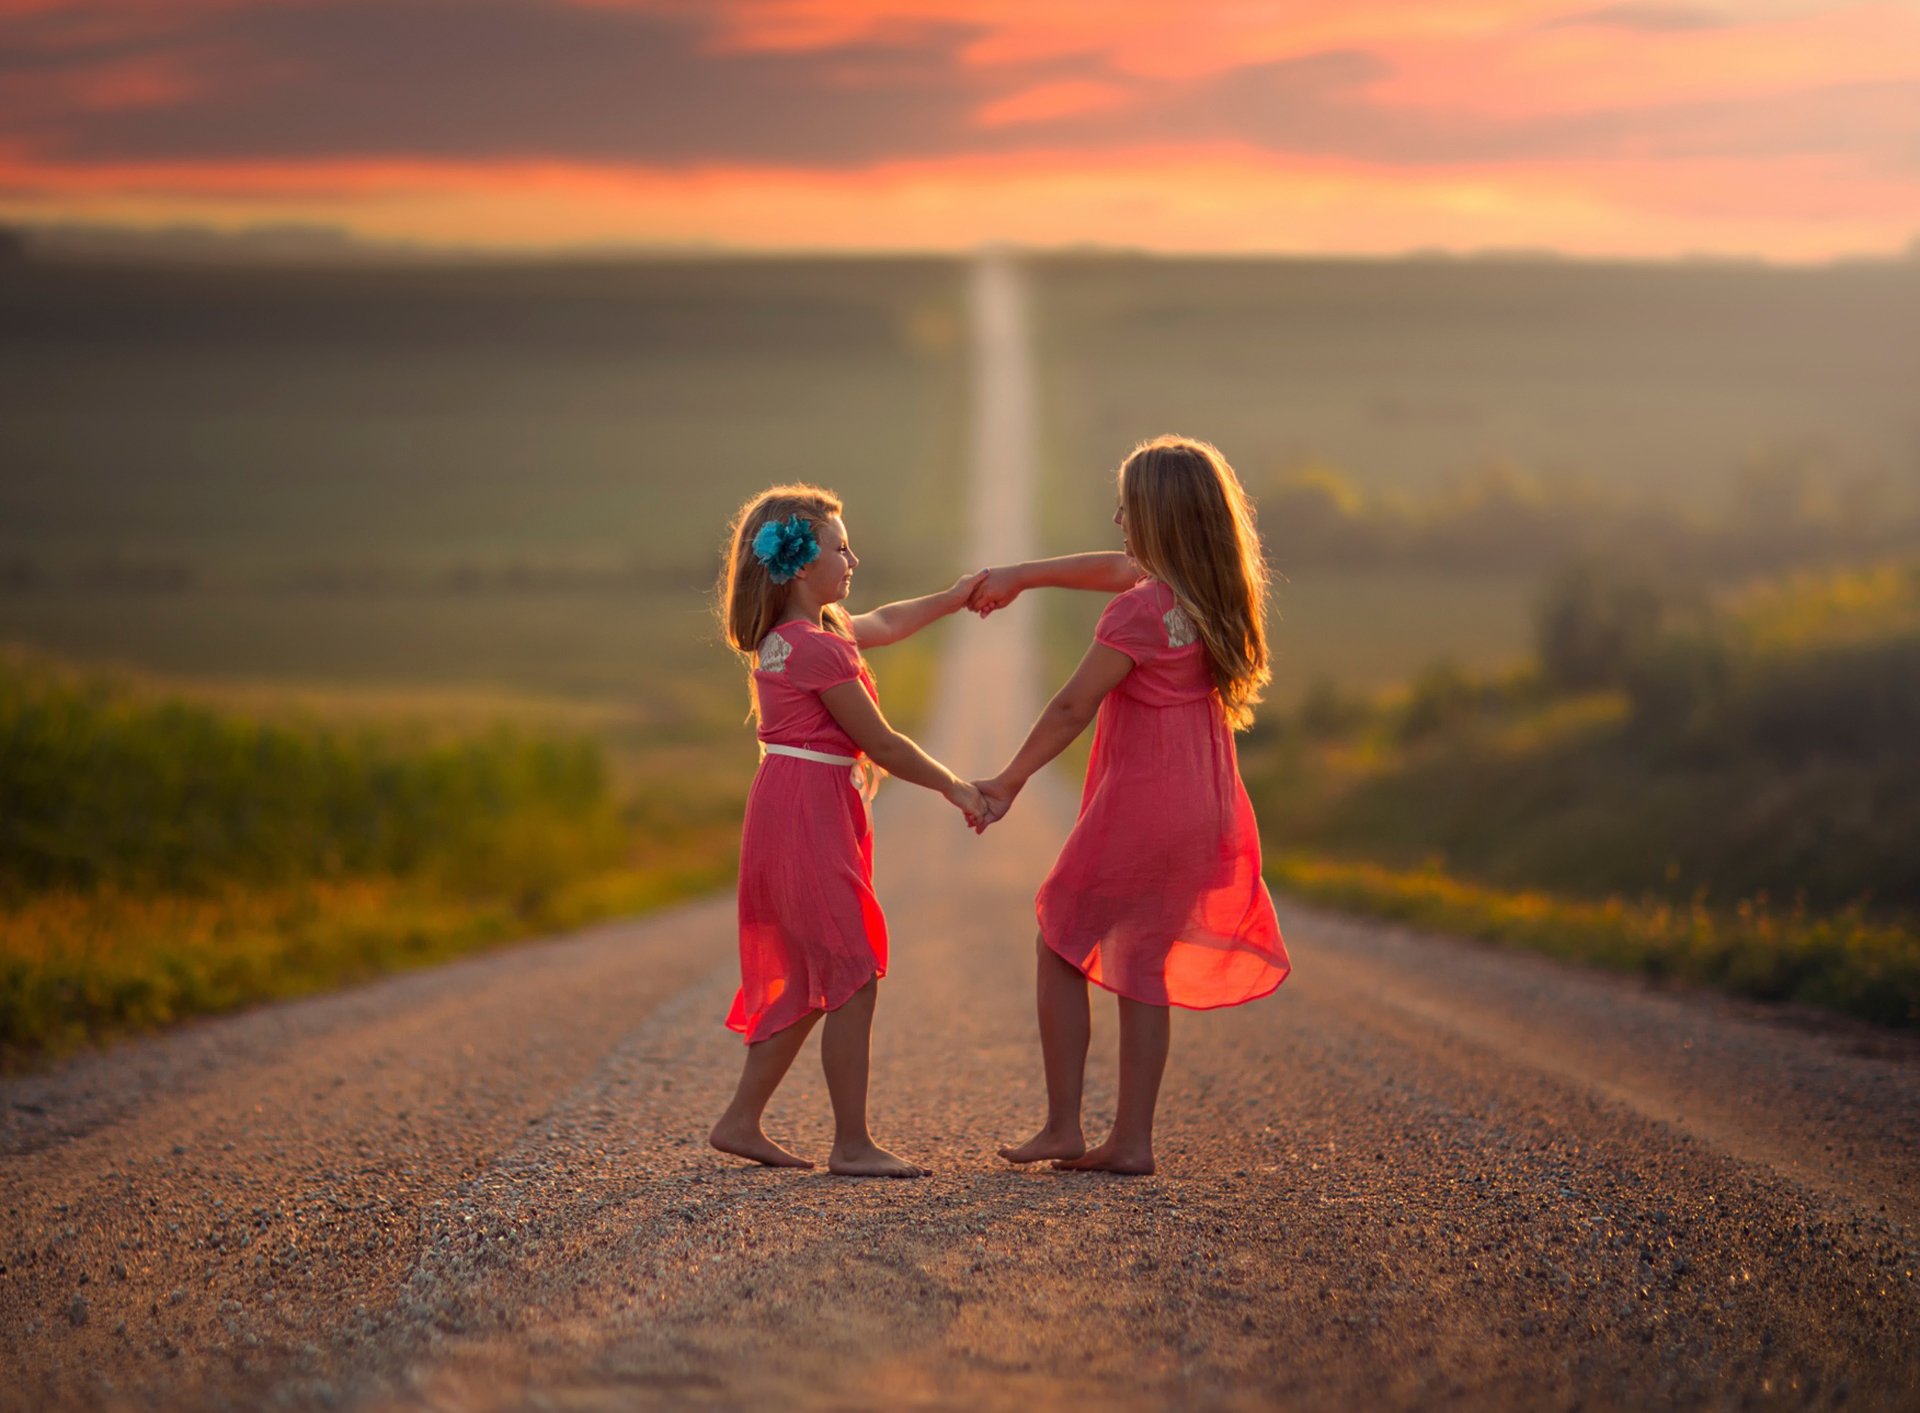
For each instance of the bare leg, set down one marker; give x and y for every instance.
(1060, 993)
(1144, 1032)
(844, 1050)
(768, 1061)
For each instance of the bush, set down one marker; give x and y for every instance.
(1859, 699)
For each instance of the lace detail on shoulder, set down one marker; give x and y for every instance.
(774, 652)
(1179, 627)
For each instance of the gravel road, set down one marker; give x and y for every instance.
(1425, 1173)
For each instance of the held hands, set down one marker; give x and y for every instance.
(983, 802)
(964, 590)
(998, 797)
(971, 803)
(994, 588)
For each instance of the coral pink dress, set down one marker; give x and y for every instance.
(811, 930)
(1157, 894)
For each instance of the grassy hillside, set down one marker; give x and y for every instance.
(1741, 768)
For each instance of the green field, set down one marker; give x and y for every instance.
(1767, 402)
(509, 483)
(1666, 380)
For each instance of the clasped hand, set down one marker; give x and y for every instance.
(983, 802)
(993, 588)
(986, 802)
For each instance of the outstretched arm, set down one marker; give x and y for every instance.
(891, 622)
(1065, 717)
(859, 716)
(1107, 571)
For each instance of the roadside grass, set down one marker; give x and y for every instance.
(81, 968)
(1843, 962)
(161, 857)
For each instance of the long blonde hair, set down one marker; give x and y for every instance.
(746, 599)
(1191, 527)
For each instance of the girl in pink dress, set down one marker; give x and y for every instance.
(813, 941)
(1157, 895)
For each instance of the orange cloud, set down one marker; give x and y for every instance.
(1051, 100)
(1567, 69)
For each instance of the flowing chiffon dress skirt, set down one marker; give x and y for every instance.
(1157, 894)
(811, 930)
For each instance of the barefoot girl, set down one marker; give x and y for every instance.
(813, 941)
(1157, 894)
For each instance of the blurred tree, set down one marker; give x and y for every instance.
(1328, 712)
(1442, 696)
(1592, 621)
(1679, 684)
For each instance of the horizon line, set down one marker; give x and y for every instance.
(311, 244)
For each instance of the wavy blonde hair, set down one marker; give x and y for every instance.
(746, 599)
(1191, 527)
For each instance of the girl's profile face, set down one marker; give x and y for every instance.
(1120, 519)
(830, 576)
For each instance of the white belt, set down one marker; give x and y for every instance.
(865, 777)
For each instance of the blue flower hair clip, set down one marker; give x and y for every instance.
(786, 547)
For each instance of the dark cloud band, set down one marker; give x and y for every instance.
(487, 80)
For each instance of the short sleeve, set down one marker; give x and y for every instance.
(1130, 625)
(821, 660)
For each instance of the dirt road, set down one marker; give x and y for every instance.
(1425, 1173)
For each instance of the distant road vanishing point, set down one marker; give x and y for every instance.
(1425, 1173)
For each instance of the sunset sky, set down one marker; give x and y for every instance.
(1788, 129)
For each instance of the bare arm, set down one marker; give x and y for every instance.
(859, 716)
(1065, 717)
(891, 622)
(1105, 571)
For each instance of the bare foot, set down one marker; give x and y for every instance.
(1048, 1143)
(1136, 1160)
(871, 1160)
(749, 1141)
